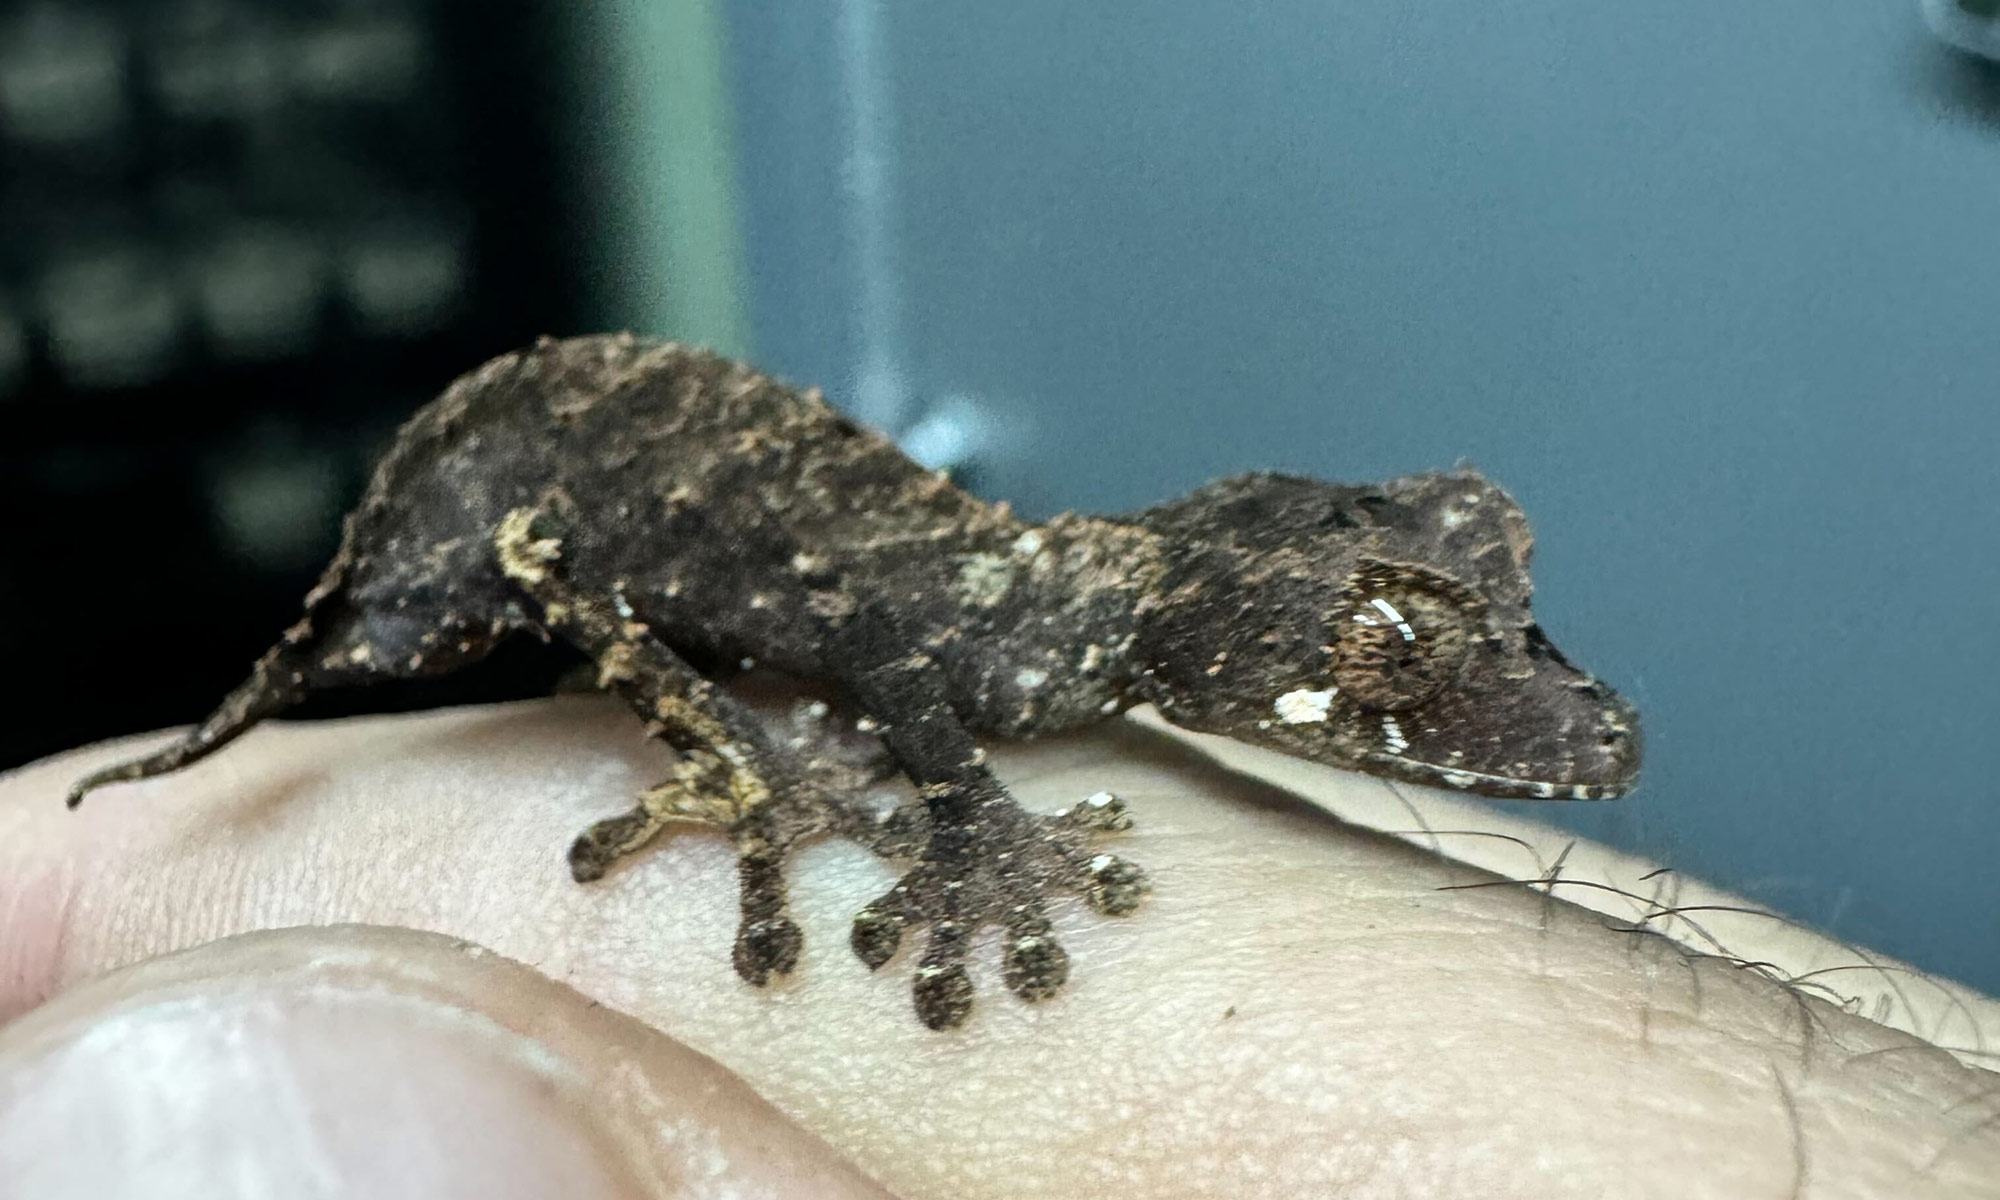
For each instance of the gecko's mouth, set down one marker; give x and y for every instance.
(1484, 783)
(1603, 768)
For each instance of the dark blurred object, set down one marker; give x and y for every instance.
(1971, 25)
(238, 244)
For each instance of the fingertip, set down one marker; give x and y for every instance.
(366, 1061)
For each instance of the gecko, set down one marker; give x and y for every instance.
(670, 512)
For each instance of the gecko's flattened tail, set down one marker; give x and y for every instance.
(317, 651)
(276, 683)
(338, 643)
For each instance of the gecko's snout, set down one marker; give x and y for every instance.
(1557, 734)
(1612, 767)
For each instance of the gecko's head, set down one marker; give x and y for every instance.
(1383, 629)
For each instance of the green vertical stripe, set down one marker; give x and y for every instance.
(672, 252)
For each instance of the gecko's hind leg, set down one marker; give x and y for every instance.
(731, 776)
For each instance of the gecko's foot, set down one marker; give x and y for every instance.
(985, 860)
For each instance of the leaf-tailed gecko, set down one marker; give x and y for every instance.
(660, 508)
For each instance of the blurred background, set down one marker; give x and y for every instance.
(1709, 287)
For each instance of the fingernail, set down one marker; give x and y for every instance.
(298, 1088)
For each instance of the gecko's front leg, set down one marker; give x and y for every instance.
(981, 859)
(985, 860)
(730, 776)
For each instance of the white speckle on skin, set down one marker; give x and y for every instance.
(1108, 707)
(1392, 735)
(1100, 799)
(985, 578)
(1304, 706)
(1458, 779)
(1395, 618)
(1579, 792)
(1030, 678)
(1028, 544)
(1546, 791)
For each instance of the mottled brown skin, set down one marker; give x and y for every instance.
(657, 506)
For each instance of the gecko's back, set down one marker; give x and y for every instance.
(675, 453)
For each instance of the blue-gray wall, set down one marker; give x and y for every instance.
(1709, 286)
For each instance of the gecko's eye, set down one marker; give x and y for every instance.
(1397, 642)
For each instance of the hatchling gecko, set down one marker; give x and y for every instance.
(664, 509)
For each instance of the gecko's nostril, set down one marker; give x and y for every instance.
(1619, 741)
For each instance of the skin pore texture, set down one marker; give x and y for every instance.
(1309, 1007)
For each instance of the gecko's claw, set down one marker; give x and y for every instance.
(1116, 885)
(1100, 811)
(766, 946)
(1035, 966)
(605, 842)
(878, 928)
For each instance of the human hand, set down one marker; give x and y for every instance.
(1297, 1010)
